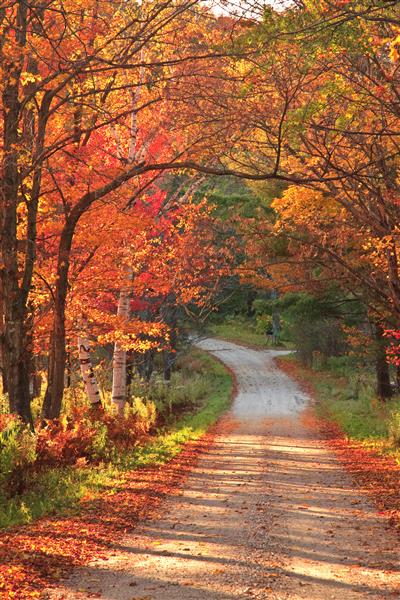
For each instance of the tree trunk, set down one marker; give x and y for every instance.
(251, 296)
(130, 364)
(17, 356)
(169, 317)
(119, 358)
(169, 356)
(36, 379)
(146, 365)
(68, 376)
(58, 354)
(383, 388)
(17, 360)
(4, 388)
(276, 320)
(20, 133)
(168, 362)
(56, 369)
(88, 376)
(16, 352)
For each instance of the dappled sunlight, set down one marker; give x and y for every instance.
(262, 507)
(190, 191)
(267, 512)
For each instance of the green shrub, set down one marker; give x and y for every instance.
(17, 454)
(263, 324)
(143, 412)
(186, 389)
(100, 442)
(85, 453)
(394, 428)
(17, 446)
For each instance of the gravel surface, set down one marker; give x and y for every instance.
(267, 513)
(263, 390)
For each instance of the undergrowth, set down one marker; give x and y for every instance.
(242, 331)
(70, 472)
(347, 396)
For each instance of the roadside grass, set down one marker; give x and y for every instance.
(241, 331)
(346, 396)
(60, 490)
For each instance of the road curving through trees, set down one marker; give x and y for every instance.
(267, 512)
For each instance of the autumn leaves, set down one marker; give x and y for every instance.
(102, 100)
(89, 129)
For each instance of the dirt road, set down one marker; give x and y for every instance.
(266, 513)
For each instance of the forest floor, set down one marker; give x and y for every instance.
(268, 511)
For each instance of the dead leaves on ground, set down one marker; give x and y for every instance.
(33, 557)
(377, 475)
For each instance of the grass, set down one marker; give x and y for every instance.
(190, 427)
(346, 395)
(56, 491)
(61, 490)
(241, 331)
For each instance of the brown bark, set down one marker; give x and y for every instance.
(58, 354)
(17, 314)
(3, 376)
(169, 356)
(15, 344)
(383, 386)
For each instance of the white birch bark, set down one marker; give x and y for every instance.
(88, 376)
(119, 358)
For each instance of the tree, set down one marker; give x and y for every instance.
(63, 98)
(342, 227)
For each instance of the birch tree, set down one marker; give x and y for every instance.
(119, 356)
(88, 376)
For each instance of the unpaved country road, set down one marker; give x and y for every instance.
(266, 513)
